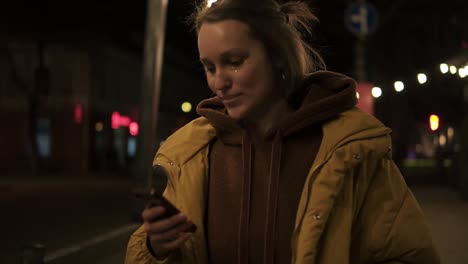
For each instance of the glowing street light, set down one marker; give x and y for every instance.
(453, 69)
(444, 68)
(186, 107)
(422, 78)
(399, 86)
(376, 92)
(462, 72)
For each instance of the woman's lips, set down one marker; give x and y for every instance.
(230, 99)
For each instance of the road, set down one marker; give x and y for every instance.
(66, 213)
(61, 211)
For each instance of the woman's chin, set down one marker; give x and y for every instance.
(236, 113)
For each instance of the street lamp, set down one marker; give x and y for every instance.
(444, 68)
(186, 107)
(462, 72)
(422, 78)
(376, 92)
(453, 69)
(399, 86)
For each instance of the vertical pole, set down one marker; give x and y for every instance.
(360, 57)
(151, 87)
(463, 153)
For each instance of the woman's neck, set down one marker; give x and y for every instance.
(260, 123)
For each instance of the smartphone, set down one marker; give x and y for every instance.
(155, 198)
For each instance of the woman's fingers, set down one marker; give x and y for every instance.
(176, 243)
(152, 213)
(165, 234)
(171, 234)
(165, 224)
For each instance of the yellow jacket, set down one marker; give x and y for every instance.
(357, 210)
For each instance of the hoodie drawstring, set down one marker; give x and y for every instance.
(243, 246)
(272, 204)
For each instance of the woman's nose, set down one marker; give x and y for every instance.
(221, 81)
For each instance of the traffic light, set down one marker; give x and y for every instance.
(434, 122)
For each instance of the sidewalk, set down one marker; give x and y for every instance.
(109, 248)
(448, 219)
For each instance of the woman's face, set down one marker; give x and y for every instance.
(238, 69)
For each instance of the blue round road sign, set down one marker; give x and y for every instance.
(361, 18)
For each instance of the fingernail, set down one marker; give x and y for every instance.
(182, 217)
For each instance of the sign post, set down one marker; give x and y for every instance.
(361, 19)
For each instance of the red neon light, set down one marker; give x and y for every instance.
(115, 120)
(124, 121)
(366, 100)
(78, 113)
(134, 129)
(118, 120)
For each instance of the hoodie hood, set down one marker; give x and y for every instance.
(323, 95)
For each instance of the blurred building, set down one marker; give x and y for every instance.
(70, 89)
(44, 88)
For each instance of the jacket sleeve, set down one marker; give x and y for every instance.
(138, 252)
(137, 249)
(391, 226)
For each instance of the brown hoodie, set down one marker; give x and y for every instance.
(254, 187)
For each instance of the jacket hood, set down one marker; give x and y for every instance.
(324, 94)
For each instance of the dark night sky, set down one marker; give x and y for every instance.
(412, 35)
(425, 30)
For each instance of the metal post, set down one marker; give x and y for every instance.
(360, 57)
(151, 87)
(463, 153)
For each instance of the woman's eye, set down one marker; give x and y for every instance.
(236, 63)
(208, 69)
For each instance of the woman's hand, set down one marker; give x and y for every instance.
(165, 234)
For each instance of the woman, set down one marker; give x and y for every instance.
(281, 167)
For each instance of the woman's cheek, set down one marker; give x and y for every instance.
(210, 83)
(246, 78)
